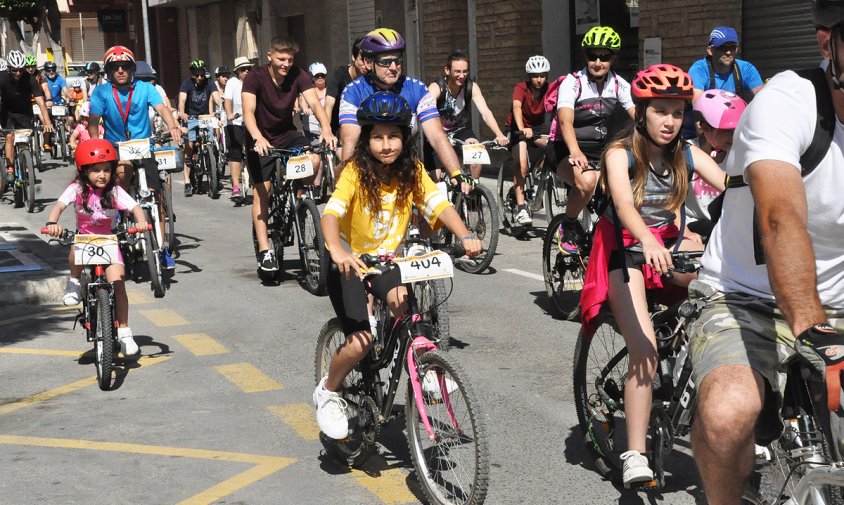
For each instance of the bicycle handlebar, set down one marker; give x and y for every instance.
(66, 237)
(684, 262)
(491, 144)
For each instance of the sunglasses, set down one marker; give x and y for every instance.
(386, 62)
(727, 47)
(122, 65)
(598, 56)
(319, 76)
(15, 70)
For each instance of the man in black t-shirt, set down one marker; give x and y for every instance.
(337, 81)
(17, 89)
(194, 100)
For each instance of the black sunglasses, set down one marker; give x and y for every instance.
(15, 70)
(727, 47)
(123, 65)
(386, 62)
(592, 56)
(319, 76)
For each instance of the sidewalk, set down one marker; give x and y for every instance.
(31, 270)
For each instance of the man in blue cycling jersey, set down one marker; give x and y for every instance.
(123, 104)
(385, 49)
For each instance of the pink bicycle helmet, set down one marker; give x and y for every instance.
(720, 109)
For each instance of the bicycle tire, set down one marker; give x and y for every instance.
(601, 360)
(36, 150)
(312, 253)
(506, 196)
(480, 215)
(563, 274)
(213, 176)
(455, 450)
(353, 450)
(28, 182)
(273, 238)
(198, 172)
(153, 259)
(556, 197)
(61, 141)
(104, 341)
(170, 216)
(432, 299)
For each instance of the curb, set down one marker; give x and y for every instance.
(40, 287)
(46, 290)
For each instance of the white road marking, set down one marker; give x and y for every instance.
(524, 274)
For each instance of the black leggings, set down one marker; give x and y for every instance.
(349, 296)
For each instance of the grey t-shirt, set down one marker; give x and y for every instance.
(653, 211)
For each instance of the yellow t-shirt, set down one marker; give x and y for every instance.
(363, 233)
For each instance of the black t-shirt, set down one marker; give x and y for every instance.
(16, 96)
(336, 83)
(274, 103)
(197, 101)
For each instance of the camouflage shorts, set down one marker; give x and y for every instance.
(738, 329)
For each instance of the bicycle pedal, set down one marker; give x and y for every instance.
(649, 485)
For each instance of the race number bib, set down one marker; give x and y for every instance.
(166, 159)
(475, 154)
(207, 121)
(434, 265)
(22, 136)
(36, 110)
(299, 167)
(95, 249)
(59, 110)
(137, 149)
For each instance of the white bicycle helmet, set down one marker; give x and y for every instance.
(3, 65)
(537, 65)
(15, 59)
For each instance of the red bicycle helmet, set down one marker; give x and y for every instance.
(662, 81)
(93, 151)
(118, 54)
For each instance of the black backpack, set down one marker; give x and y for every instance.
(809, 160)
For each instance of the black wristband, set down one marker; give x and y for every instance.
(51, 222)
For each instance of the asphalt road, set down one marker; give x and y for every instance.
(219, 409)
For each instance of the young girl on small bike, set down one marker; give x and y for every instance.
(97, 198)
(368, 213)
(646, 173)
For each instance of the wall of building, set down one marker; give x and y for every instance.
(684, 26)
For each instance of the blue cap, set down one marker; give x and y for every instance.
(723, 35)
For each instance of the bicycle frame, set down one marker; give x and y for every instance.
(97, 282)
(149, 201)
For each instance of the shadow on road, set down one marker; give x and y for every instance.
(32, 321)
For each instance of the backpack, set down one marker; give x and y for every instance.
(550, 100)
(744, 93)
(809, 160)
(467, 96)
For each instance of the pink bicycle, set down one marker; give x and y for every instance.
(445, 427)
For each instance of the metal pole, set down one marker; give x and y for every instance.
(82, 36)
(147, 49)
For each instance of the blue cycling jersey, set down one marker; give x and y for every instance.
(413, 90)
(56, 86)
(144, 96)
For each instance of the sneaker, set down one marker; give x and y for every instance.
(636, 469)
(10, 176)
(523, 218)
(128, 346)
(236, 193)
(48, 148)
(331, 412)
(431, 385)
(567, 238)
(188, 190)
(72, 292)
(167, 260)
(268, 263)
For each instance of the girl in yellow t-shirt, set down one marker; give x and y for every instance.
(369, 211)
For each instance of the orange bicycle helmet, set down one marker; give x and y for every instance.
(93, 151)
(662, 81)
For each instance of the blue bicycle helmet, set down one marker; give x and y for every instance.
(384, 107)
(143, 71)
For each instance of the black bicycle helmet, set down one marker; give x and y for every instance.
(92, 66)
(50, 65)
(384, 108)
(143, 71)
(222, 70)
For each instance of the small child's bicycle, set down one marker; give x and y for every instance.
(98, 317)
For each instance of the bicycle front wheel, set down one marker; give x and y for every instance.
(156, 272)
(453, 468)
(104, 343)
(213, 175)
(169, 216)
(600, 372)
(28, 182)
(480, 215)
(312, 247)
(563, 273)
(431, 296)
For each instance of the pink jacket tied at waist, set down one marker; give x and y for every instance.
(596, 283)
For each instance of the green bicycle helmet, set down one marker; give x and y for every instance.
(601, 37)
(29, 61)
(197, 64)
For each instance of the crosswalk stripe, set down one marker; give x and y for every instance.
(388, 484)
(201, 344)
(300, 417)
(164, 318)
(248, 378)
(138, 298)
(524, 274)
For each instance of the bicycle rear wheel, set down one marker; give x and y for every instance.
(61, 141)
(104, 343)
(197, 175)
(312, 247)
(563, 273)
(28, 182)
(600, 372)
(480, 215)
(506, 195)
(454, 467)
(151, 249)
(431, 297)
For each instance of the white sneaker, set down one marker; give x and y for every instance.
(636, 469)
(431, 385)
(524, 218)
(331, 412)
(128, 346)
(72, 292)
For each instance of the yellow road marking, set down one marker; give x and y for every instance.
(265, 465)
(248, 378)
(163, 317)
(390, 484)
(201, 344)
(138, 298)
(36, 315)
(69, 388)
(40, 352)
(300, 417)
